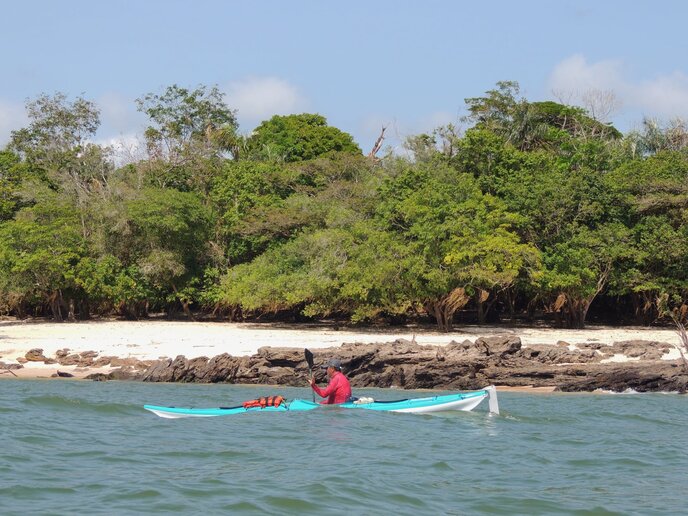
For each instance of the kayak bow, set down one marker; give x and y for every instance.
(460, 401)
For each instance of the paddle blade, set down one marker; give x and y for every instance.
(309, 358)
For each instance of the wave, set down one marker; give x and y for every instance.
(63, 403)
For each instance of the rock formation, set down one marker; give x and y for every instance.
(499, 360)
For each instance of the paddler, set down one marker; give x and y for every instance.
(338, 390)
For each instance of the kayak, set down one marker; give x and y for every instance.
(465, 401)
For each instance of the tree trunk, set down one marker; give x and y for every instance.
(573, 311)
(55, 303)
(70, 313)
(576, 309)
(510, 302)
(187, 310)
(480, 297)
(84, 310)
(443, 308)
(185, 304)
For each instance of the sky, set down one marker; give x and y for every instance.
(407, 65)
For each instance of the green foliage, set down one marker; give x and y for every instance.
(300, 272)
(243, 188)
(58, 136)
(578, 269)
(9, 184)
(166, 234)
(460, 237)
(533, 125)
(573, 120)
(182, 116)
(298, 138)
(536, 204)
(359, 272)
(190, 132)
(655, 185)
(39, 251)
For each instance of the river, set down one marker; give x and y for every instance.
(90, 448)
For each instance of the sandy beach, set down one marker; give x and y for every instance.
(154, 339)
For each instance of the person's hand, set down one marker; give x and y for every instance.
(311, 380)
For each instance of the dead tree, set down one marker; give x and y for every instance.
(378, 143)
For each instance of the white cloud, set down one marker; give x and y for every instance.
(663, 96)
(259, 98)
(575, 74)
(12, 117)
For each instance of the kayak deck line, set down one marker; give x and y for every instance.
(466, 401)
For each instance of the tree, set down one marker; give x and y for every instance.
(39, 251)
(578, 269)
(190, 132)
(9, 183)
(165, 235)
(182, 117)
(55, 148)
(463, 242)
(58, 136)
(654, 137)
(298, 138)
(240, 191)
(531, 125)
(652, 198)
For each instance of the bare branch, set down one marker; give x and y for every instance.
(600, 104)
(378, 143)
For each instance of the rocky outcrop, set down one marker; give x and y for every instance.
(35, 355)
(122, 368)
(499, 360)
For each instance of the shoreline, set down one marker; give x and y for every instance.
(36, 374)
(154, 340)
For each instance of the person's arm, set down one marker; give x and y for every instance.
(324, 393)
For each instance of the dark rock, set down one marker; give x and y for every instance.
(72, 359)
(499, 344)
(103, 361)
(646, 350)
(118, 374)
(98, 377)
(121, 362)
(647, 377)
(499, 360)
(35, 355)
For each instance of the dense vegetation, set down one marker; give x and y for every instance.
(536, 208)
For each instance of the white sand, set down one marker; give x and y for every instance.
(147, 340)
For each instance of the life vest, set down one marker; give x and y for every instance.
(262, 402)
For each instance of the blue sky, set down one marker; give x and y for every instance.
(361, 63)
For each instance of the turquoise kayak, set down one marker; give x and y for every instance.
(465, 401)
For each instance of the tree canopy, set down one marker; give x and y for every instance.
(535, 209)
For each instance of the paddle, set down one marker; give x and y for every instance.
(309, 359)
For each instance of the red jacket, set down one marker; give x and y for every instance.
(337, 391)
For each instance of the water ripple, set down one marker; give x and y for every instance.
(75, 447)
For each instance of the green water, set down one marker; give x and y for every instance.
(89, 448)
